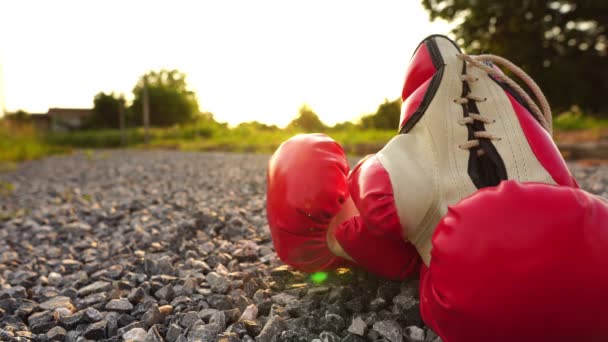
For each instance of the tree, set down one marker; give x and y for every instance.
(106, 111)
(18, 116)
(257, 126)
(386, 116)
(562, 44)
(344, 126)
(170, 100)
(307, 121)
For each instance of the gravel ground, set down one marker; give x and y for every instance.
(172, 246)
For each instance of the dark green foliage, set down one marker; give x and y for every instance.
(562, 44)
(170, 100)
(386, 117)
(18, 116)
(307, 121)
(344, 126)
(106, 109)
(257, 126)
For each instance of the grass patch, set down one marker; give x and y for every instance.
(20, 142)
(6, 188)
(575, 119)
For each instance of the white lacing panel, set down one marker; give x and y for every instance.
(544, 116)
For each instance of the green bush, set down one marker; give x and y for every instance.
(574, 119)
(20, 142)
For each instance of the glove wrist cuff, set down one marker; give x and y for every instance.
(347, 211)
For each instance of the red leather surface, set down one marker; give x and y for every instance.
(419, 70)
(412, 102)
(306, 186)
(419, 73)
(543, 146)
(374, 239)
(520, 262)
(392, 259)
(371, 190)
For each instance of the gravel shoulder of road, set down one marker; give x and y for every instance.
(175, 246)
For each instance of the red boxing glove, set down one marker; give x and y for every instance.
(374, 238)
(315, 224)
(462, 129)
(520, 262)
(307, 187)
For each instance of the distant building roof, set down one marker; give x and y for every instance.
(41, 116)
(81, 112)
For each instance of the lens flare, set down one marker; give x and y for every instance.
(319, 277)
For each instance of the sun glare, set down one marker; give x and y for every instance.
(245, 60)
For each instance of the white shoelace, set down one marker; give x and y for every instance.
(544, 116)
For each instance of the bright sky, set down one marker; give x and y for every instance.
(246, 60)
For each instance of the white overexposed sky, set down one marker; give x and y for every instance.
(246, 60)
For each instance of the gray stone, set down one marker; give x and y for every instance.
(91, 315)
(152, 316)
(164, 265)
(218, 283)
(136, 295)
(73, 336)
(189, 319)
(54, 278)
(220, 302)
(98, 286)
(333, 322)
(56, 334)
(250, 313)
(414, 334)
(353, 338)
(237, 328)
(182, 338)
(73, 320)
(131, 326)
(71, 265)
(252, 327)
(328, 336)
(153, 335)
(389, 329)
(121, 305)
(404, 303)
(6, 335)
(283, 298)
(274, 326)
(227, 337)
(173, 333)
(232, 315)
(431, 336)
(219, 318)
(57, 302)
(77, 228)
(205, 314)
(96, 331)
(377, 304)
(135, 335)
(358, 326)
(112, 327)
(204, 333)
(115, 271)
(93, 299)
(13, 292)
(26, 308)
(41, 322)
(165, 293)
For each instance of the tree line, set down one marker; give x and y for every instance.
(561, 44)
(172, 103)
